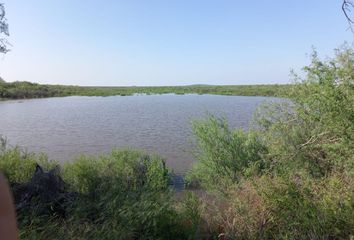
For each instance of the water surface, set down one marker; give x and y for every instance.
(66, 127)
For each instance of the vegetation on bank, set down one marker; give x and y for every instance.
(21, 90)
(289, 177)
(292, 176)
(124, 195)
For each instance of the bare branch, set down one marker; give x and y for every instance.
(347, 5)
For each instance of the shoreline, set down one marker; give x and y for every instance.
(27, 90)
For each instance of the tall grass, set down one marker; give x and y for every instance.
(17, 164)
(123, 195)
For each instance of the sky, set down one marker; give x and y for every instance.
(167, 42)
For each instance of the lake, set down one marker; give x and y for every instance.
(68, 126)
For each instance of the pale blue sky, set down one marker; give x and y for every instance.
(170, 42)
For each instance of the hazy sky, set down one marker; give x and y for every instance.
(167, 42)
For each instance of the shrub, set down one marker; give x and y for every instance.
(190, 209)
(302, 207)
(294, 177)
(124, 195)
(292, 207)
(315, 131)
(19, 165)
(225, 155)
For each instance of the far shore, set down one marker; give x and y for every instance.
(27, 90)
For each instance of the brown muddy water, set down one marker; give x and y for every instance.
(69, 126)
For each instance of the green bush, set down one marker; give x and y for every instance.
(287, 207)
(190, 214)
(18, 165)
(316, 130)
(225, 155)
(293, 178)
(123, 195)
(304, 208)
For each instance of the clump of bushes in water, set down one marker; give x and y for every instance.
(292, 176)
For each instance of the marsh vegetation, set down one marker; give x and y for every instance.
(22, 90)
(289, 177)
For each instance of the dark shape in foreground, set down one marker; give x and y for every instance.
(45, 193)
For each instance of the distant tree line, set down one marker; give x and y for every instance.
(23, 90)
(18, 90)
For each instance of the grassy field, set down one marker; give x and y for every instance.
(21, 90)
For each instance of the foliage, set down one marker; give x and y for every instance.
(20, 90)
(18, 165)
(225, 155)
(290, 177)
(316, 130)
(45, 194)
(4, 29)
(124, 195)
(303, 184)
(190, 209)
(293, 207)
(302, 207)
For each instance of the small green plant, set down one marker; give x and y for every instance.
(190, 211)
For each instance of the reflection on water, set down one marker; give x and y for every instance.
(66, 127)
